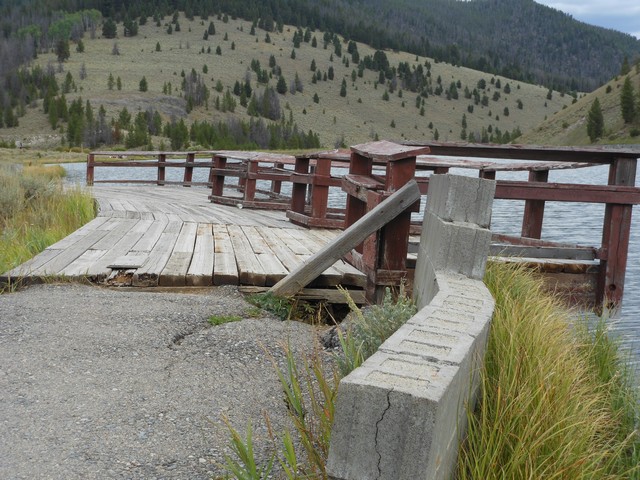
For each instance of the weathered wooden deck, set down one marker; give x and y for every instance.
(173, 236)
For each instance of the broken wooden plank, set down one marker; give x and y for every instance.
(147, 275)
(352, 236)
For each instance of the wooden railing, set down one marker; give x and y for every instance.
(301, 185)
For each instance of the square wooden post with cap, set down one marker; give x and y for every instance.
(377, 170)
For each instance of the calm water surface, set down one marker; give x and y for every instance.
(563, 222)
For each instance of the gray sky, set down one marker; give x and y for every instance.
(622, 15)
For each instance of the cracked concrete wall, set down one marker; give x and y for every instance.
(402, 413)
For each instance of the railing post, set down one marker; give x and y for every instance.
(383, 255)
(162, 158)
(217, 179)
(298, 189)
(534, 209)
(90, 169)
(250, 185)
(276, 185)
(615, 238)
(188, 170)
(320, 198)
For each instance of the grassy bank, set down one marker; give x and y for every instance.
(35, 211)
(556, 402)
(27, 156)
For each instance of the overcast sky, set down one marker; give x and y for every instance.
(622, 15)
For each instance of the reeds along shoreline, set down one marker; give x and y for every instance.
(36, 211)
(556, 402)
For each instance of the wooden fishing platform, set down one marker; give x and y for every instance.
(147, 236)
(261, 214)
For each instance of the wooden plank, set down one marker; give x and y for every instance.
(331, 295)
(350, 274)
(352, 236)
(81, 265)
(174, 274)
(127, 262)
(297, 241)
(287, 257)
(257, 241)
(101, 267)
(26, 269)
(225, 268)
(150, 237)
(529, 152)
(317, 239)
(175, 271)
(66, 242)
(187, 238)
(574, 253)
(200, 273)
(250, 269)
(273, 267)
(59, 262)
(121, 227)
(385, 151)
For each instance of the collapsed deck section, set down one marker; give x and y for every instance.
(149, 236)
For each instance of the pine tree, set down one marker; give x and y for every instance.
(595, 121)
(144, 86)
(109, 29)
(281, 87)
(343, 88)
(627, 102)
(625, 68)
(62, 50)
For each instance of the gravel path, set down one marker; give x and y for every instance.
(97, 383)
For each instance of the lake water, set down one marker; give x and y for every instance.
(563, 222)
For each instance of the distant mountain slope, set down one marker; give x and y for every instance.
(569, 125)
(335, 97)
(518, 39)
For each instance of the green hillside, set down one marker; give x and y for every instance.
(414, 98)
(569, 126)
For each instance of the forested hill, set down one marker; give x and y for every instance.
(519, 39)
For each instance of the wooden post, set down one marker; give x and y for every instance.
(188, 170)
(615, 238)
(162, 158)
(250, 185)
(90, 169)
(356, 208)
(276, 185)
(299, 190)
(217, 179)
(320, 198)
(534, 209)
(383, 255)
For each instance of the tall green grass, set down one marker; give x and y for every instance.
(556, 402)
(36, 211)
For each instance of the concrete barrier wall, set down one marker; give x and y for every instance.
(402, 413)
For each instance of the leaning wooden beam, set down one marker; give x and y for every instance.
(352, 236)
